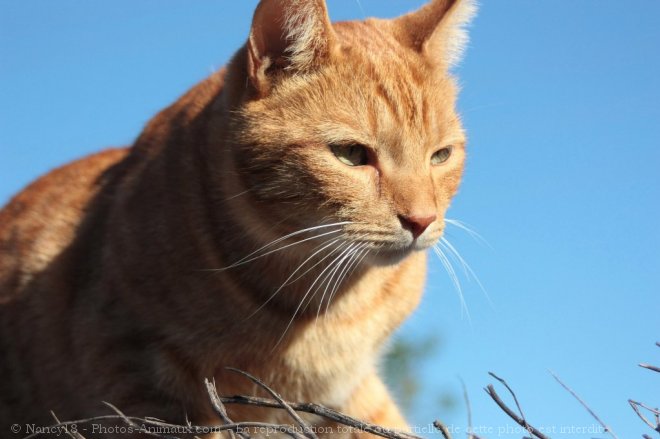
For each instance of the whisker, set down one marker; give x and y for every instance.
(347, 272)
(342, 273)
(475, 235)
(302, 300)
(466, 267)
(337, 269)
(444, 243)
(327, 279)
(298, 232)
(452, 274)
(245, 261)
(364, 15)
(286, 282)
(289, 282)
(237, 195)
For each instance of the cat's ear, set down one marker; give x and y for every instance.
(437, 30)
(288, 36)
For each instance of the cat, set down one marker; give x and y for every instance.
(273, 219)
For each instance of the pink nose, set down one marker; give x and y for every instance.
(417, 224)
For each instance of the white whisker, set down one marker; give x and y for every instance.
(327, 279)
(452, 274)
(237, 195)
(351, 251)
(286, 282)
(469, 272)
(364, 15)
(302, 300)
(245, 261)
(347, 272)
(461, 225)
(298, 232)
(289, 281)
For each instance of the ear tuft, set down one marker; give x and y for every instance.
(438, 30)
(458, 36)
(308, 32)
(290, 35)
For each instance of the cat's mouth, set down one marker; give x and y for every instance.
(394, 254)
(391, 247)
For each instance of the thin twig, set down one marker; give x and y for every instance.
(468, 408)
(636, 405)
(307, 429)
(519, 420)
(67, 424)
(206, 429)
(219, 407)
(650, 367)
(130, 422)
(321, 411)
(513, 394)
(140, 424)
(442, 428)
(71, 434)
(584, 404)
(186, 429)
(515, 398)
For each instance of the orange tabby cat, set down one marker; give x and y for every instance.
(273, 219)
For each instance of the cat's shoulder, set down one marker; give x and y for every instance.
(41, 220)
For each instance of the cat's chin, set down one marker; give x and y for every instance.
(386, 258)
(393, 256)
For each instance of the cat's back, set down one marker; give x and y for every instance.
(39, 222)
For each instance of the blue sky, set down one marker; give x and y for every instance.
(561, 104)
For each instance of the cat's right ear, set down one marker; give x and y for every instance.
(437, 30)
(287, 36)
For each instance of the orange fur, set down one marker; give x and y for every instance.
(105, 287)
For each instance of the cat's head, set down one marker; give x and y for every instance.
(352, 123)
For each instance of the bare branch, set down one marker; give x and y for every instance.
(130, 422)
(442, 428)
(142, 425)
(67, 424)
(515, 398)
(519, 419)
(219, 408)
(322, 411)
(185, 429)
(584, 404)
(468, 407)
(636, 407)
(650, 367)
(71, 434)
(307, 429)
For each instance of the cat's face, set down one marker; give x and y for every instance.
(369, 139)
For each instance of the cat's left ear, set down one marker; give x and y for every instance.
(288, 36)
(437, 30)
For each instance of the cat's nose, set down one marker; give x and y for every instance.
(417, 223)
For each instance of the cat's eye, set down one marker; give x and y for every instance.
(352, 154)
(441, 155)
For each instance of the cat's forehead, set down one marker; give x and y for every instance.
(404, 98)
(370, 52)
(372, 41)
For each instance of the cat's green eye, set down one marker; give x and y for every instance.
(352, 154)
(441, 155)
